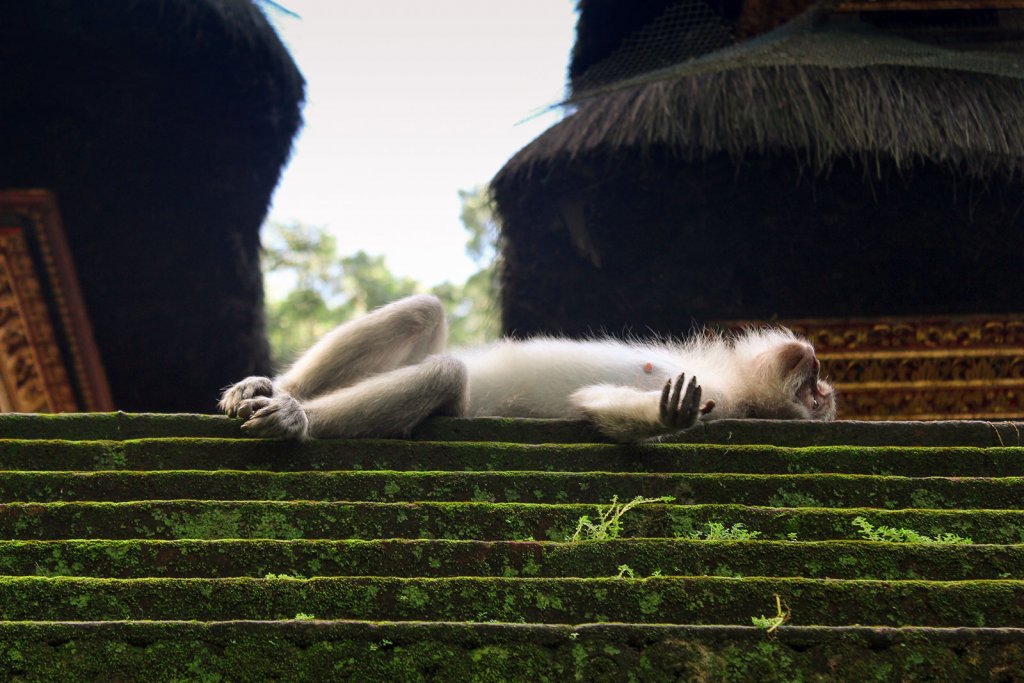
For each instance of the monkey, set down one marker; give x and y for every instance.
(384, 373)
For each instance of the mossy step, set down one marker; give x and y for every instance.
(374, 454)
(680, 600)
(119, 425)
(463, 521)
(315, 651)
(94, 426)
(779, 490)
(774, 432)
(426, 558)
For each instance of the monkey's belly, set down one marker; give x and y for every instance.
(535, 378)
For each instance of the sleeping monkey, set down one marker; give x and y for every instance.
(383, 374)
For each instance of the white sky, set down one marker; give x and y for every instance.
(409, 101)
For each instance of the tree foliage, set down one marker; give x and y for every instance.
(311, 289)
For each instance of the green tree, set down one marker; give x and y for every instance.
(473, 307)
(302, 261)
(311, 289)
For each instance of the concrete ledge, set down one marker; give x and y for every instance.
(371, 651)
(776, 490)
(678, 600)
(768, 432)
(95, 426)
(437, 558)
(187, 453)
(179, 519)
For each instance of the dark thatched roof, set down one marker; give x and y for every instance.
(820, 90)
(161, 126)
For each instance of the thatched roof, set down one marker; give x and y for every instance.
(161, 126)
(820, 90)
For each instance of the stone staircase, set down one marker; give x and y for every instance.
(168, 547)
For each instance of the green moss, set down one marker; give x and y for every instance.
(248, 519)
(774, 490)
(697, 600)
(92, 426)
(168, 558)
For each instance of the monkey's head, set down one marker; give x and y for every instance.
(786, 376)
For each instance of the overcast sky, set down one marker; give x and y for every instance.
(409, 101)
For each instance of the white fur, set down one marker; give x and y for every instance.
(381, 375)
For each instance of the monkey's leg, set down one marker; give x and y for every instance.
(628, 414)
(401, 333)
(384, 405)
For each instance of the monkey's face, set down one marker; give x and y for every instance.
(817, 396)
(790, 384)
(801, 379)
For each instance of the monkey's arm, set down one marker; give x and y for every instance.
(627, 414)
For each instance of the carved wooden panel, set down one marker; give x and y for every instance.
(48, 358)
(923, 368)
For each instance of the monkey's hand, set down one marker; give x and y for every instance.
(250, 387)
(277, 417)
(680, 409)
(628, 414)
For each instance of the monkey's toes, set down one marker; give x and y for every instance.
(250, 407)
(250, 387)
(280, 417)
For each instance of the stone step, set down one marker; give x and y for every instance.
(102, 426)
(436, 558)
(667, 599)
(383, 560)
(373, 454)
(314, 651)
(465, 521)
(777, 490)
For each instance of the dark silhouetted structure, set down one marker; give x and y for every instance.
(161, 127)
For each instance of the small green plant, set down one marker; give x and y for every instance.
(890, 534)
(271, 575)
(716, 531)
(609, 519)
(771, 624)
(302, 616)
(625, 571)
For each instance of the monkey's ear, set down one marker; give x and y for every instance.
(789, 356)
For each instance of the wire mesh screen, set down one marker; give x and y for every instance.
(690, 37)
(685, 30)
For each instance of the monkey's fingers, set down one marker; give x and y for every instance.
(663, 410)
(676, 392)
(690, 405)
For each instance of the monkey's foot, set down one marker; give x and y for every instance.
(248, 388)
(680, 409)
(277, 417)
